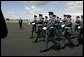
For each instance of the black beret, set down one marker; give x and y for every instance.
(50, 13)
(35, 16)
(57, 17)
(46, 17)
(40, 15)
(77, 17)
(65, 15)
(42, 18)
(60, 18)
(68, 16)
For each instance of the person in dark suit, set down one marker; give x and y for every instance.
(20, 23)
(3, 27)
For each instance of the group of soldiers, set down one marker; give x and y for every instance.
(57, 30)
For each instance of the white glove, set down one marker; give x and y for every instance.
(44, 28)
(33, 23)
(79, 27)
(62, 25)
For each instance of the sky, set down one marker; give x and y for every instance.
(27, 9)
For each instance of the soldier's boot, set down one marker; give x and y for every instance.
(36, 38)
(45, 49)
(71, 44)
(45, 45)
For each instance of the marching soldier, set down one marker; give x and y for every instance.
(33, 26)
(77, 22)
(68, 31)
(45, 21)
(20, 23)
(39, 25)
(64, 21)
(81, 31)
(48, 29)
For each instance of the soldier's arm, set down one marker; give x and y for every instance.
(39, 22)
(32, 22)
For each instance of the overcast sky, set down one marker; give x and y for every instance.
(26, 9)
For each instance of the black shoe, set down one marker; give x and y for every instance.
(45, 50)
(71, 45)
(77, 45)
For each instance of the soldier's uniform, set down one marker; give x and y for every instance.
(68, 32)
(77, 22)
(65, 19)
(81, 31)
(50, 24)
(44, 25)
(46, 20)
(39, 25)
(33, 26)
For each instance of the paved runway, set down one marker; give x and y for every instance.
(18, 43)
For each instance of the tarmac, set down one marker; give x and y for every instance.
(18, 43)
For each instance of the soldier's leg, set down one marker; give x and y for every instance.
(62, 39)
(38, 34)
(56, 44)
(36, 37)
(45, 43)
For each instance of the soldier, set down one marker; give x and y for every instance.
(68, 31)
(33, 26)
(65, 19)
(80, 40)
(39, 25)
(77, 22)
(69, 24)
(46, 19)
(44, 25)
(48, 30)
(58, 20)
(82, 21)
(54, 17)
(20, 23)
